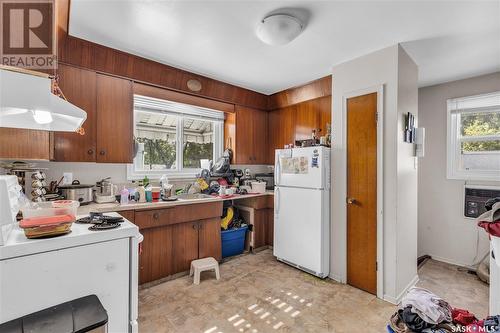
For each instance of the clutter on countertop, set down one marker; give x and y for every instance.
(48, 219)
(422, 311)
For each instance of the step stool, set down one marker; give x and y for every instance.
(201, 265)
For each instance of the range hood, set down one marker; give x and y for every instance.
(27, 101)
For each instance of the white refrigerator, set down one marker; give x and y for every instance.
(302, 208)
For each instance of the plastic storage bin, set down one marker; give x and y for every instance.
(233, 241)
(50, 208)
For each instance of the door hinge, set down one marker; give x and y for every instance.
(376, 266)
(376, 117)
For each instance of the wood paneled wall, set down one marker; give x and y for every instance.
(297, 111)
(85, 54)
(306, 92)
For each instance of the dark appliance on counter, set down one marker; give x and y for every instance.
(476, 198)
(268, 178)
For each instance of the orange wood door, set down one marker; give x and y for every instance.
(209, 241)
(185, 245)
(79, 87)
(362, 192)
(114, 120)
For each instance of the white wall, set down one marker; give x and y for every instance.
(373, 70)
(443, 232)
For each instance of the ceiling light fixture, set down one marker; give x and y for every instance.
(279, 29)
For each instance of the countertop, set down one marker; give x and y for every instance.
(116, 207)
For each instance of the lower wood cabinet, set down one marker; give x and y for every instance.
(262, 219)
(171, 243)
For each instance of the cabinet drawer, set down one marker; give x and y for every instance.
(177, 214)
(154, 217)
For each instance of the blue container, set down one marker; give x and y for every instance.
(233, 241)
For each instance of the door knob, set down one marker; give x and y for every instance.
(351, 201)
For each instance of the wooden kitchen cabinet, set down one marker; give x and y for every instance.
(24, 144)
(185, 245)
(247, 131)
(115, 117)
(176, 235)
(79, 86)
(155, 259)
(209, 239)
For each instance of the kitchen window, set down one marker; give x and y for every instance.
(173, 138)
(474, 137)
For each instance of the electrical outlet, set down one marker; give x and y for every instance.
(68, 178)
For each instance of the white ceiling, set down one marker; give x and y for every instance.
(448, 40)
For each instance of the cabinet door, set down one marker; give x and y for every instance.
(18, 143)
(244, 135)
(260, 228)
(209, 239)
(155, 260)
(185, 245)
(260, 137)
(251, 136)
(79, 88)
(114, 120)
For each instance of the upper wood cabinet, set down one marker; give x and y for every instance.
(114, 120)
(247, 131)
(24, 144)
(79, 88)
(108, 102)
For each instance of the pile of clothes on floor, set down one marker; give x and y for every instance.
(423, 311)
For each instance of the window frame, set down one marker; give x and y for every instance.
(455, 139)
(180, 172)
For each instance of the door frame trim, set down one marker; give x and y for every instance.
(379, 89)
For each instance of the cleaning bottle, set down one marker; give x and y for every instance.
(124, 196)
(141, 192)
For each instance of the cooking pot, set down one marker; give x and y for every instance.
(79, 192)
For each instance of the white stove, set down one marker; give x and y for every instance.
(39, 273)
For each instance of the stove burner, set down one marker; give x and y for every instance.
(104, 226)
(99, 218)
(101, 221)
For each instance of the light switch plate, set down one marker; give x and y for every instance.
(68, 178)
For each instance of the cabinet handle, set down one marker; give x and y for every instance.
(156, 216)
(200, 226)
(90, 151)
(102, 152)
(194, 226)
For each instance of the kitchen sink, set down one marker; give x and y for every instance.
(193, 196)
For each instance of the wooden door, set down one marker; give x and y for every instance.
(209, 239)
(362, 192)
(244, 135)
(155, 260)
(260, 134)
(114, 120)
(185, 245)
(79, 87)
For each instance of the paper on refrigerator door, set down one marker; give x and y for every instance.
(295, 165)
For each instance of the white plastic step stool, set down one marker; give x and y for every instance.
(201, 265)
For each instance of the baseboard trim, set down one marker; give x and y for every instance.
(336, 278)
(452, 262)
(397, 300)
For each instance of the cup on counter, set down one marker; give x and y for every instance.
(155, 193)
